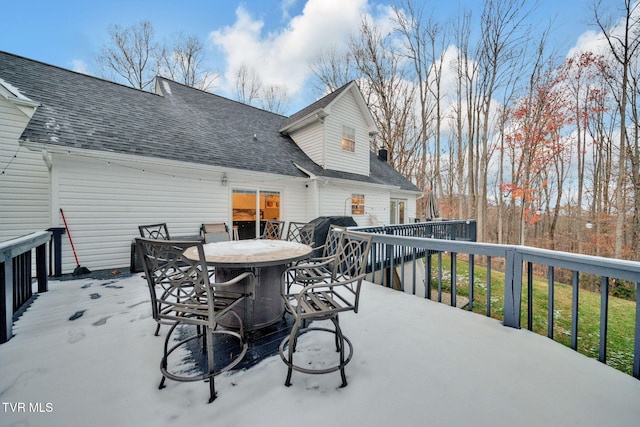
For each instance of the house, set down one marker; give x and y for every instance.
(112, 158)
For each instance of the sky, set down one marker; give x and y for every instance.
(85, 354)
(277, 37)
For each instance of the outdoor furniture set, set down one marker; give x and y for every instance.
(228, 289)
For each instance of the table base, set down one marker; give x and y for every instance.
(266, 308)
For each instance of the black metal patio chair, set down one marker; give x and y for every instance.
(324, 298)
(182, 295)
(301, 232)
(273, 229)
(154, 231)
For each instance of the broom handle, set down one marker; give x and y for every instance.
(69, 234)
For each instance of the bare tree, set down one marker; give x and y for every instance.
(425, 44)
(503, 36)
(183, 61)
(274, 98)
(331, 70)
(389, 95)
(465, 70)
(624, 46)
(247, 84)
(131, 55)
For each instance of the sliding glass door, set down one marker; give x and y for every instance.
(250, 210)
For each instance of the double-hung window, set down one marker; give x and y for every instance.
(348, 138)
(357, 204)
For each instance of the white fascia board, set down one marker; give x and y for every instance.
(311, 118)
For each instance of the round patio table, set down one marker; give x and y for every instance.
(267, 259)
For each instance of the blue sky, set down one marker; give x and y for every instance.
(277, 37)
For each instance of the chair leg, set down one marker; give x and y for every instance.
(337, 336)
(293, 340)
(157, 330)
(210, 364)
(163, 362)
(340, 346)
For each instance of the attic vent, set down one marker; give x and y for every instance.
(383, 154)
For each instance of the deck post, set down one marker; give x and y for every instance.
(512, 288)
(6, 297)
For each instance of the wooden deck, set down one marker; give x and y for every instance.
(263, 343)
(423, 357)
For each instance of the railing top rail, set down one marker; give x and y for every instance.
(19, 245)
(442, 223)
(489, 249)
(608, 267)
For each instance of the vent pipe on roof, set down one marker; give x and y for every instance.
(383, 154)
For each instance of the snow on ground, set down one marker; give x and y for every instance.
(416, 363)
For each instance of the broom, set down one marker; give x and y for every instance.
(79, 270)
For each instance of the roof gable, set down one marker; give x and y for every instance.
(322, 108)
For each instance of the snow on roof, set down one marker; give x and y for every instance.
(14, 90)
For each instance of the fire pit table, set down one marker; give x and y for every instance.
(267, 259)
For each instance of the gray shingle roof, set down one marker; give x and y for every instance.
(185, 124)
(318, 105)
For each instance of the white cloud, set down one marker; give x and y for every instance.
(283, 56)
(589, 41)
(594, 41)
(286, 6)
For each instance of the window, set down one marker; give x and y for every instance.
(357, 204)
(251, 209)
(348, 138)
(397, 211)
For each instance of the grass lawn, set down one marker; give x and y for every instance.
(621, 312)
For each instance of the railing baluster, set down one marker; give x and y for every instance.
(604, 318)
(530, 296)
(428, 266)
(551, 303)
(471, 281)
(439, 276)
(454, 274)
(413, 268)
(575, 282)
(636, 345)
(489, 286)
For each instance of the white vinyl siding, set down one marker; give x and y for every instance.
(346, 112)
(24, 179)
(337, 200)
(104, 202)
(311, 140)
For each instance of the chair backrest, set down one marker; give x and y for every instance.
(333, 239)
(273, 229)
(301, 232)
(154, 231)
(179, 286)
(216, 232)
(352, 256)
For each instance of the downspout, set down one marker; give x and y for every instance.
(324, 141)
(54, 219)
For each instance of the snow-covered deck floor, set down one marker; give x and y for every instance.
(416, 363)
